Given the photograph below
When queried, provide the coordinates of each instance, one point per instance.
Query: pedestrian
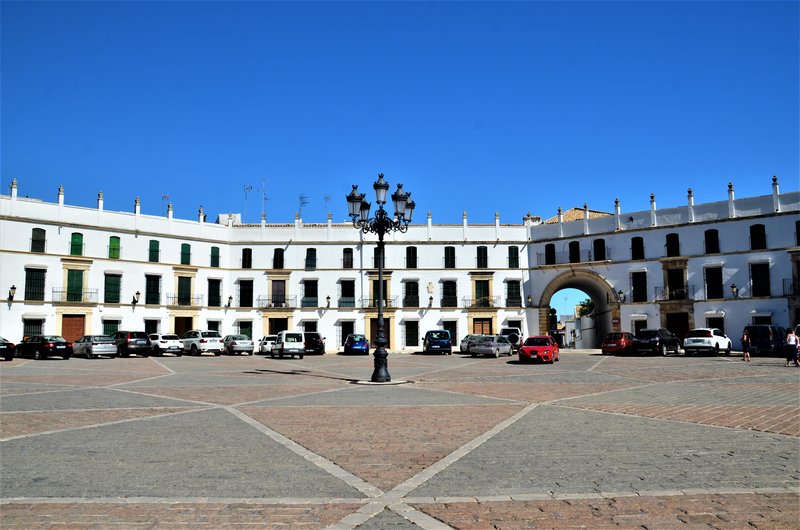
(746, 345)
(790, 346)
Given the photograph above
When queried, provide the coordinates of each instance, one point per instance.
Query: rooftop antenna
(164, 197)
(303, 202)
(247, 187)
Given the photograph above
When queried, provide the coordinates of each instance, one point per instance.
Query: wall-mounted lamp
(328, 301)
(230, 301)
(622, 296)
(734, 290)
(12, 292)
(430, 301)
(529, 300)
(135, 299)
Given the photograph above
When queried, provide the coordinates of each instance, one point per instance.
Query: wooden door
(73, 327)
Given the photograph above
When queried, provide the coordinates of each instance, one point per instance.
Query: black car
(766, 339)
(44, 346)
(128, 342)
(659, 340)
(314, 343)
(6, 349)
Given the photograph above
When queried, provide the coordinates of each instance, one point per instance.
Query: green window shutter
(153, 252)
(184, 290)
(215, 256)
(113, 247)
(186, 254)
(74, 286)
(37, 240)
(111, 292)
(34, 284)
(76, 244)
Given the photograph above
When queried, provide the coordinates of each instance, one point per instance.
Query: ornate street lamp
(380, 224)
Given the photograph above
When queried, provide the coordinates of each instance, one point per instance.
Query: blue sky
(476, 106)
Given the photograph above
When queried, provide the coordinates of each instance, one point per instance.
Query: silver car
(93, 346)
(234, 344)
(468, 341)
(492, 345)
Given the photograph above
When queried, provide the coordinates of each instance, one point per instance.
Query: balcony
(373, 302)
(309, 301)
(264, 302)
(449, 301)
(684, 293)
(184, 300)
(84, 296)
(513, 301)
(347, 301)
(485, 301)
(791, 287)
(411, 301)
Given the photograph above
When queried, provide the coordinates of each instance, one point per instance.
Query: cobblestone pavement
(235, 442)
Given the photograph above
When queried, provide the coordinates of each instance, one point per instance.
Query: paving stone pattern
(470, 443)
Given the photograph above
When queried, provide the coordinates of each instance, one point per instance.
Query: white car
(492, 345)
(166, 343)
(711, 340)
(266, 342)
(289, 343)
(196, 341)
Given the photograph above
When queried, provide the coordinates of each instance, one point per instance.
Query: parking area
(248, 441)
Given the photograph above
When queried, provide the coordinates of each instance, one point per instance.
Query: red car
(542, 348)
(618, 343)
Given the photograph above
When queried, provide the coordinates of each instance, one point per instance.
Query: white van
(288, 343)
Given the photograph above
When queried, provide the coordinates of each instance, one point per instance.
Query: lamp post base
(381, 372)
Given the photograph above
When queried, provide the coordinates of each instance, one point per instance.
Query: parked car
(514, 336)
(766, 339)
(128, 342)
(356, 343)
(493, 345)
(539, 348)
(618, 342)
(289, 343)
(234, 344)
(657, 341)
(166, 343)
(711, 340)
(196, 342)
(437, 340)
(93, 346)
(43, 346)
(6, 349)
(314, 343)
(266, 342)
(466, 342)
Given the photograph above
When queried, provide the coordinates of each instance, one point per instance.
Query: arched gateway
(605, 298)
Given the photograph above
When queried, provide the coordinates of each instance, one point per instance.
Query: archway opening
(574, 311)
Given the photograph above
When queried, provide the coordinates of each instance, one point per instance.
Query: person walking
(746, 346)
(790, 346)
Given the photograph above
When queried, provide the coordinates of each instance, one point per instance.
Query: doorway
(348, 327)
(72, 326)
(276, 325)
(482, 326)
(387, 330)
(678, 323)
(452, 327)
(182, 325)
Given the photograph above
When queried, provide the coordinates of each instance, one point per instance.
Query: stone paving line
(506, 511)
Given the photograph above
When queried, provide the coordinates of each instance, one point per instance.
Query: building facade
(73, 270)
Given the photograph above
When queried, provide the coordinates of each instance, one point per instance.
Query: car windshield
(647, 334)
(699, 333)
(537, 341)
(139, 335)
(240, 337)
(169, 337)
(440, 335)
(484, 339)
(615, 336)
(210, 334)
(54, 338)
(293, 338)
(357, 338)
(102, 338)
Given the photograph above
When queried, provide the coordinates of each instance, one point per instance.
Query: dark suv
(766, 339)
(656, 341)
(314, 343)
(438, 341)
(128, 342)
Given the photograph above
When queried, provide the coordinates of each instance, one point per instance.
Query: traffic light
(553, 319)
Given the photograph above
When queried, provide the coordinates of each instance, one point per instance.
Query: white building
(76, 270)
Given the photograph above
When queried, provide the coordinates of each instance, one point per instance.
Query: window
(713, 283)
(676, 285)
(152, 289)
(449, 294)
(111, 290)
(214, 293)
(247, 258)
(186, 254)
(34, 284)
(513, 294)
(712, 241)
(411, 257)
(411, 294)
(412, 333)
(637, 248)
(277, 258)
(673, 245)
(758, 237)
(213, 325)
(311, 259)
(796, 234)
(348, 293)
(184, 290)
(482, 259)
(110, 327)
(384, 294)
(599, 249)
(482, 294)
(513, 257)
(376, 252)
(32, 327)
(639, 286)
(215, 256)
(245, 293)
(310, 294)
(37, 240)
(74, 286)
(574, 252)
(716, 322)
(153, 253)
(278, 293)
(246, 328)
(550, 254)
(113, 247)
(151, 325)
(76, 244)
(347, 258)
(759, 279)
(449, 257)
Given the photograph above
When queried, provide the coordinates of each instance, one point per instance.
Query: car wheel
(271, 355)
(249, 353)
(157, 352)
(663, 349)
(217, 353)
(473, 354)
(37, 355)
(496, 354)
(178, 353)
(9, 356)
(89, 355)
(300, 356)
(66, 357)
(716, 350)
(728, 349)
(556, 359)
(195, 353)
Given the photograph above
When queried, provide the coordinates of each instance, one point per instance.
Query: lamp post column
(381, 372)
